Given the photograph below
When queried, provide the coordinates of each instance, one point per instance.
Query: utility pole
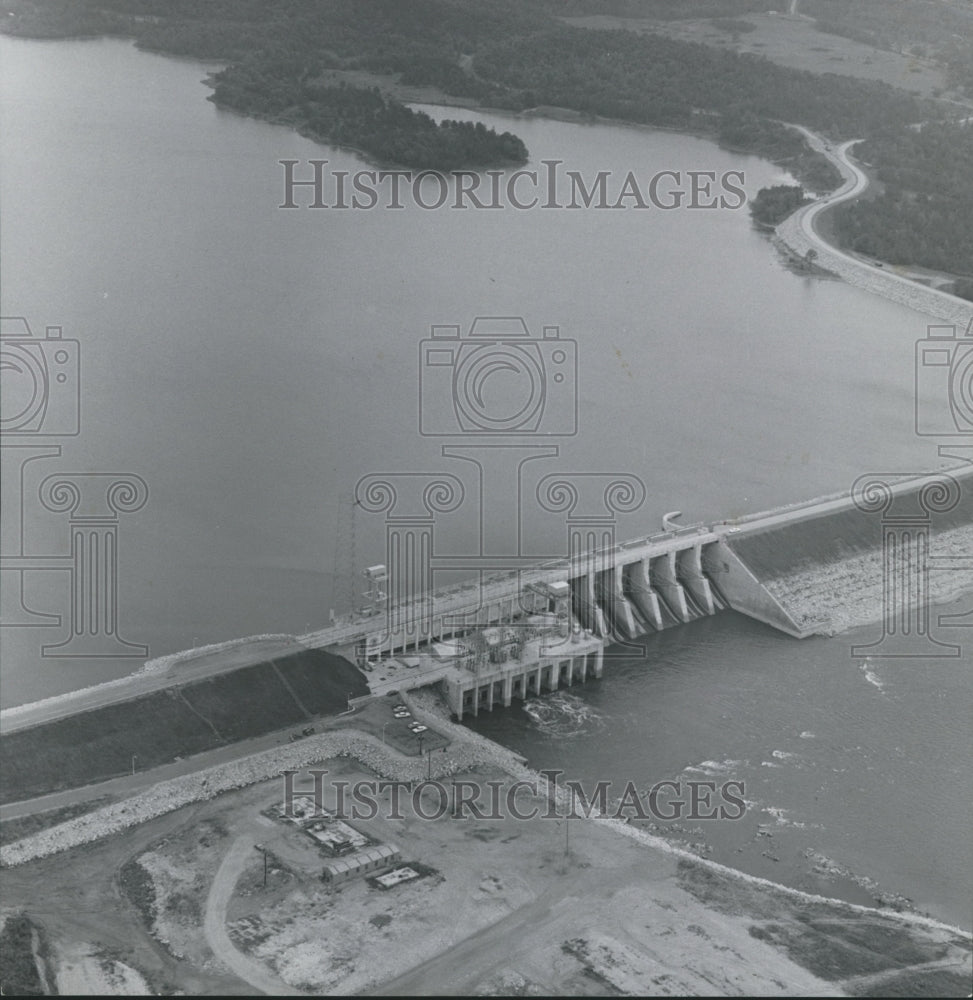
(134, 759)
(263, 851)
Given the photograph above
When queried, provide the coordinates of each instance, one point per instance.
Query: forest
(773, 204)
(366, 120)
(925, 213)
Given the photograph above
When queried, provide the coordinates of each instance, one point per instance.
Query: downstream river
(252, 363)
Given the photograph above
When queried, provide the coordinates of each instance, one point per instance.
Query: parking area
(378, 718)
(406, 734)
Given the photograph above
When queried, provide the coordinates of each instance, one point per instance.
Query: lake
(252, 363)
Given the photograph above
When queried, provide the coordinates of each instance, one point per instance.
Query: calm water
(251, 364)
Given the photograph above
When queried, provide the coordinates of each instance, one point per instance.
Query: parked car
(418, 727)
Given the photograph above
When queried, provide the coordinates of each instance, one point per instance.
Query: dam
(523, 633)
(532, 630)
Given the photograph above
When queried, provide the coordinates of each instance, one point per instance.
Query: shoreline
(474, 750)
(179, 660)
(851, 269)
(693, 911)
(523, 771)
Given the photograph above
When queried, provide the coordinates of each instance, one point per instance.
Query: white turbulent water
(564, 716)
(252, 364)
(850, 592)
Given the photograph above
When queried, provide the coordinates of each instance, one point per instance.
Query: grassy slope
(97, 745)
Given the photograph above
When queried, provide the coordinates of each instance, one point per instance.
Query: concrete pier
(689, 569)
(664, 579)
(643, 595)
(471, 688)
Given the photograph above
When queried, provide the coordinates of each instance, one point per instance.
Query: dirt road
(214, 924)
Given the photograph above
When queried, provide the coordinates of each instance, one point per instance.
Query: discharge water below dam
(856, 771)
(251, 364)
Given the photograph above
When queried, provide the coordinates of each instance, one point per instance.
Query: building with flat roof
(396, 877)
(362, 862)
(335, 836)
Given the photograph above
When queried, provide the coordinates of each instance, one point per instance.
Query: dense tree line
(773, 204)
(520, 53)
(783, 145)
(367, 120)
(925, 215)
(20, 975)
(658, 80)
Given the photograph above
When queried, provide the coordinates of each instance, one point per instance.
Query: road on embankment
(855, 181)
(186, 668)
(799, 233)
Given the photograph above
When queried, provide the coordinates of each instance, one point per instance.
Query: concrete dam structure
(893, 547)
(532, 630)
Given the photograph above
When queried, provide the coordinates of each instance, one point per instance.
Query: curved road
(214, 925)
(855, 183)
